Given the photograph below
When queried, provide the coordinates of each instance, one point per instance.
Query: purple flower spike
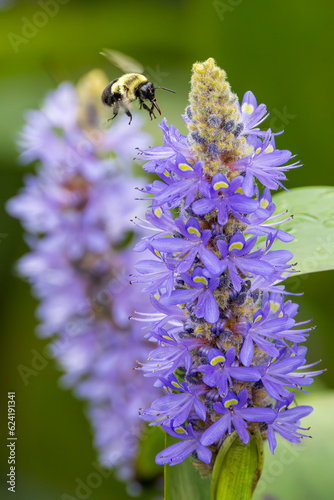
(77, 209)
(230, 338)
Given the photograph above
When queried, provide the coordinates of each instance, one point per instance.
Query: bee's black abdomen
(107, 97)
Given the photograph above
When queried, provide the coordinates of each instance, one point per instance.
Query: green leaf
(312, 226)
(302, 471)
(151, 442)
(237, 468)
(183, 481)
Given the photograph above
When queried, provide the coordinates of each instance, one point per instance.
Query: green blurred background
(282, 51)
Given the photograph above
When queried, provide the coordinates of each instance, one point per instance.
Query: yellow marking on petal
(280, 315)
(180, 430)
(201, 279)
(148, 359)
(166, 173)
(157, 295)
(239, 190)
(274, 306)
(184, 167)
(238, 245)
(217, 359)
(258, 318)
(273, 360)
(175, 384)
(176, 254)
(219, 185)
(258, 151)
(230, 402)
(158, 254)
(193, 230)
(264, 203)
(153, 371)
(247, 108)
(158, 212)
(156, 420)
(167, 337)
(269, 149)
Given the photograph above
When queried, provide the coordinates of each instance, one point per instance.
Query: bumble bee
(121, 92)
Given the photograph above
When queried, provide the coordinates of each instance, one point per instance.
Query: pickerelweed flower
(228, 352)
(77, 212)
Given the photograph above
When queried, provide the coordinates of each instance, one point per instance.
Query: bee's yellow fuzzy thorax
(127, 84)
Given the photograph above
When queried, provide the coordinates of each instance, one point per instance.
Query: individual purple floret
(235, 412)
(287, 422)
(234, 347)
(190, 443)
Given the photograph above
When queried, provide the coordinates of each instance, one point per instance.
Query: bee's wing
(123, 61)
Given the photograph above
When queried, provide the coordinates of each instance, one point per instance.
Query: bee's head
(148, 92)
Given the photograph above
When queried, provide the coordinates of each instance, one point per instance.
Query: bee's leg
(150, 110)
(115, 110)
(127, 112)
(141, 102)
(114, 116)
